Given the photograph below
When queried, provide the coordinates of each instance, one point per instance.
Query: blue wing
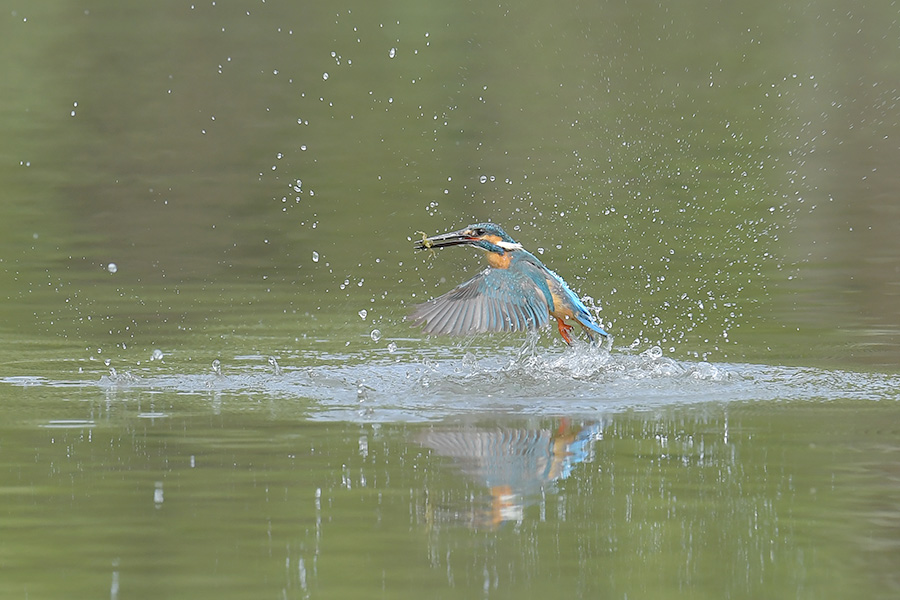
(493, 300)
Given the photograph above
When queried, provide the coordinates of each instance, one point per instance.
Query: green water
(242, 182)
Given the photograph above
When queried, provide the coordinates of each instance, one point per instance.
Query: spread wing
(493, 300)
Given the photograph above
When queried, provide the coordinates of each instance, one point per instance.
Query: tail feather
(588, 324)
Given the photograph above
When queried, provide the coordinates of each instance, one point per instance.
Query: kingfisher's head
(486, 236)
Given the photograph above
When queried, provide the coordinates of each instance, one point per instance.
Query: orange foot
(564, 330)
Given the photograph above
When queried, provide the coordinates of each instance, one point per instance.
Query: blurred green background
(719, 179)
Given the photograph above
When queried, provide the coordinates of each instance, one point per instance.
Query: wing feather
(512, 312)
(492, 301)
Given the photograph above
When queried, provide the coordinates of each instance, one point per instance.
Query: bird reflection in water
(514, 464)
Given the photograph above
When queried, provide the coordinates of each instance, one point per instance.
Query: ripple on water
(582, 379)
(68, 424)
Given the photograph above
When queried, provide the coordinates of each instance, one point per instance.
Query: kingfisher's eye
(478, 232)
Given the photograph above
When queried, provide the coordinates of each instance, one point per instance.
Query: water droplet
(274, 363)
(653, 353)
(156, 354)
(392, 347)
(315, 256)
(375, 335)
(325, 76)
(217, 367)
(363, 314)
(392, 53)
(483, 179)
(158, 497)
(112, 268)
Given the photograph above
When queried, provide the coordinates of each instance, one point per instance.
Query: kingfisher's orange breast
(499, 261)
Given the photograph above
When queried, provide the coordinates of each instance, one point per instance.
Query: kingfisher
(515, 292)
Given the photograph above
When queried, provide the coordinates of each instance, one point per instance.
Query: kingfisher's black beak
(445, 240)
